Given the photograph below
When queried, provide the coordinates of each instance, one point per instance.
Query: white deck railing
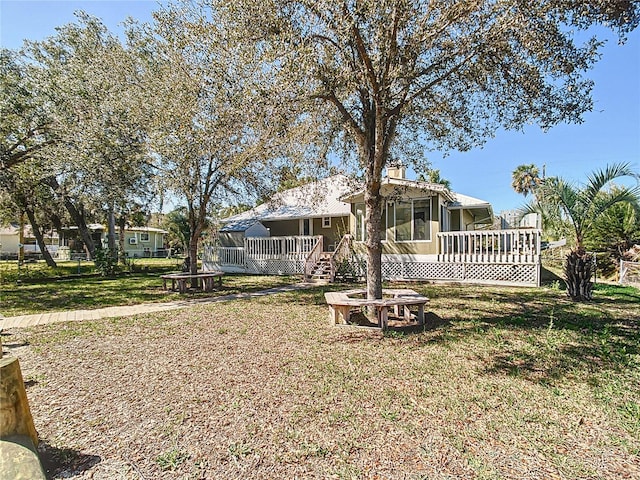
(490, 246)
(280, 248)
(230, 255)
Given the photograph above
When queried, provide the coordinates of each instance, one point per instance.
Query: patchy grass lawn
(11, 272)
(501, 384)
(97, 292)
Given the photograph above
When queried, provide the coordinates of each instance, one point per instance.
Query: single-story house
(10, 241)
(139, 242)
(429, 233)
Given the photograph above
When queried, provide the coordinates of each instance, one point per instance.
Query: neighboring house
(138, 241)
(10, 242)
(429, 233)
(515, 219)
(142, 242)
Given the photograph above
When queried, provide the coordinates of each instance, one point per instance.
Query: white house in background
(429, 233)
(139, 242)
(515, 219)
(10, 241)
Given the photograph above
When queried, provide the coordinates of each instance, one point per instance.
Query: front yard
(37, 295)
(503, 383)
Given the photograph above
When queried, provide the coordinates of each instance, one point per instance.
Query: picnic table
(341, 303)
(205, 279)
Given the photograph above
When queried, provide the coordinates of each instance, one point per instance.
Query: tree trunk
(76, 216)
(121, 252)
(21, 239)
(193, 258)
(578, 270)
(39, 238)
(111, 238)
(16, 416)
(373, 219)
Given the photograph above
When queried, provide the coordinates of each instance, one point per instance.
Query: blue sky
(611, 133)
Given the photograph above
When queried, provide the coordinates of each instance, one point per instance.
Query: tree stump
(578, 271)
(15, 416)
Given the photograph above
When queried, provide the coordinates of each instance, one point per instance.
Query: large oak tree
(385, 75)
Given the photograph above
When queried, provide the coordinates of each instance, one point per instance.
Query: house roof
(145, 229)
(400, 187)
(96, 227)
(239, 225)
(14, 229)
(465, 201)
(481, 209)
(9, 230)
(332, 196)
(314, 200)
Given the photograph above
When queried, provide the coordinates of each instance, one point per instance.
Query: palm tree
(581, 207)
(525, 179)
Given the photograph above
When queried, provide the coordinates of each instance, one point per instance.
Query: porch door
(445, 219)
(306, 226)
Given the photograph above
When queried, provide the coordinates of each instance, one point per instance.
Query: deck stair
(321, 271)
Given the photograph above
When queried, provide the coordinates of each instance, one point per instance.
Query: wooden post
(15, 416)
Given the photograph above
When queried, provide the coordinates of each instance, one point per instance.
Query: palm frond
(603, 202)
(598, 179)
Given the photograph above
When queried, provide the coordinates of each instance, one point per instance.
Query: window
(306, 226)
(445, 219)
(403, 221)
(144, 237)
(412, 220)
(422, 220)
(360, 229)
(326, 222)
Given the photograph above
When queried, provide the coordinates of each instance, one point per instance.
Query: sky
(610, 133)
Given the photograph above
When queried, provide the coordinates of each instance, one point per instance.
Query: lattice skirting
(275, 267)
(489, 273)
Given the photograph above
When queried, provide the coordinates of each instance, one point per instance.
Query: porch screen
(413, 220)
(422, 220)
(361, 230)
(403, 221)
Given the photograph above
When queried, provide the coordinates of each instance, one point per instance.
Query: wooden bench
(207, 280)
(341, 303)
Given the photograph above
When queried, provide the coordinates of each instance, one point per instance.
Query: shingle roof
(238, 226)
(314, 200)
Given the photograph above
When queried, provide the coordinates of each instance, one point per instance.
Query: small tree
(204, 123)
(582, 207)
(616, 231)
